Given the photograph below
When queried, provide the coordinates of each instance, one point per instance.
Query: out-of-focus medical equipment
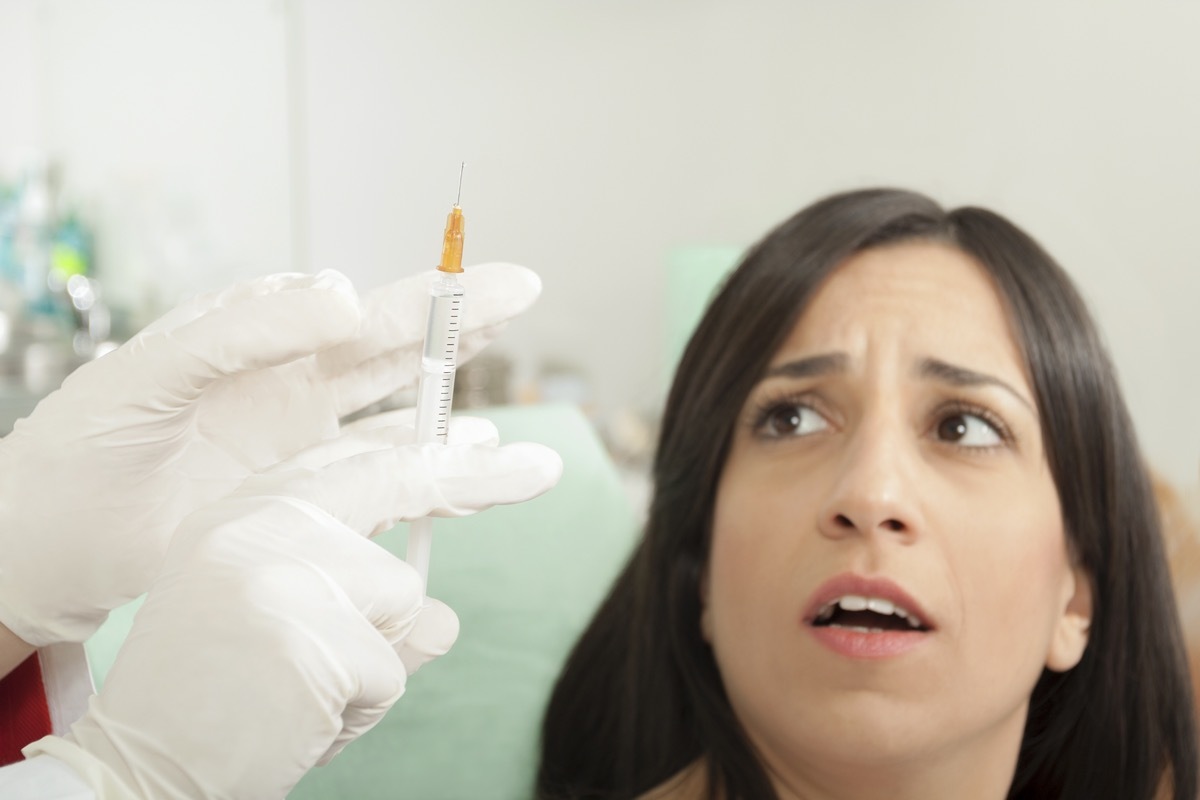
(439, 360)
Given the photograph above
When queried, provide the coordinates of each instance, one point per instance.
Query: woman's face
(889, 572)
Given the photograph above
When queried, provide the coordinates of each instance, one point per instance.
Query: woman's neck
(978, 764)
(981, 770)
(984, 781)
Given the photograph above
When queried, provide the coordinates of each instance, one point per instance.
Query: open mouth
(867, 615)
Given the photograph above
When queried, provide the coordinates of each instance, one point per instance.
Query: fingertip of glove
(543, 465)
(513, 274)
(434, 633)
(501, 279)
(439, 626)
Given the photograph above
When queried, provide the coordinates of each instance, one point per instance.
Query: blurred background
(627, 151)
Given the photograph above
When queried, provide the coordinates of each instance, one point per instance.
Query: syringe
(438, 363)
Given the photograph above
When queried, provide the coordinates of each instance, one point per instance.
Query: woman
(901, 544)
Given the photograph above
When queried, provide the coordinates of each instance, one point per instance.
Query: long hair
(640, 696)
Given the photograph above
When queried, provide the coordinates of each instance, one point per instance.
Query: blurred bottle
(75, 289)
(52, 316)
(11, 277)
(483, 381)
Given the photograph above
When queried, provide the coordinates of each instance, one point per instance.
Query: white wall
(169, 122)
(19, 111)
(600, 135)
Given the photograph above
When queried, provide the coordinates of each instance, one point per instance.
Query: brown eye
(952, 428)
(967, 430)
(791, 419)
(783, 421)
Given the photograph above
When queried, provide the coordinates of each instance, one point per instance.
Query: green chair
(524, 581)
(694, 274)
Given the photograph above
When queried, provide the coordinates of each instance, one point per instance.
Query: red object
(24, 714)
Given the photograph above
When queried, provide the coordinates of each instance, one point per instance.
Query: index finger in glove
(454, 480)
(372, 490)
(385, 357)
(197, 306)
(382, 432)
(463, 428)
(255, 332)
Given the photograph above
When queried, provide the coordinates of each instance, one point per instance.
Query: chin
(867, 729)
(880, 732)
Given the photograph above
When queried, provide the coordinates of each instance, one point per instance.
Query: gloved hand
(276, 633)
(95, 480)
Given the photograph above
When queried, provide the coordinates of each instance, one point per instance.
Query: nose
(876, 486)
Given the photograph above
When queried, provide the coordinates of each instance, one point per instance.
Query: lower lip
(855, 644)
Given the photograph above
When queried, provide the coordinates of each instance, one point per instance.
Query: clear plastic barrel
(435, 394)
(439, 360)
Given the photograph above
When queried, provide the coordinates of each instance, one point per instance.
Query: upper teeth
(854, 602)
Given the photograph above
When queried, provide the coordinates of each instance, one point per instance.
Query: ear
(705, 614)
(1074, 625)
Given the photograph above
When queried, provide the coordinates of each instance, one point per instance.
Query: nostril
(840, 524)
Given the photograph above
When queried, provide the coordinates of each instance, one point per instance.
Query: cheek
(734, 582)
(742, 520)
(1012, 584)
(731, 558)
(757, 539)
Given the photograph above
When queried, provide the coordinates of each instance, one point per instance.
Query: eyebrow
(961, 376)
(928, 368)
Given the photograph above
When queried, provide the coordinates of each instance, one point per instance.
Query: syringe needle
(452, 238)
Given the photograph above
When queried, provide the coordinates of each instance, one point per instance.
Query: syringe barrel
(439, 360)
(435, 393)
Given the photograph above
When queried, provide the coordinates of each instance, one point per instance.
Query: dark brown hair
(640, 696)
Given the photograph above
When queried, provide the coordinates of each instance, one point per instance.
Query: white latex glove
(276, 632)
(95, 480)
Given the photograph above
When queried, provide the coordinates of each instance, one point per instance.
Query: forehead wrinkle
(821, 364)
(869, 300)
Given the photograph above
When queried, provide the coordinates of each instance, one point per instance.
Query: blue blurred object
(10, 270)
